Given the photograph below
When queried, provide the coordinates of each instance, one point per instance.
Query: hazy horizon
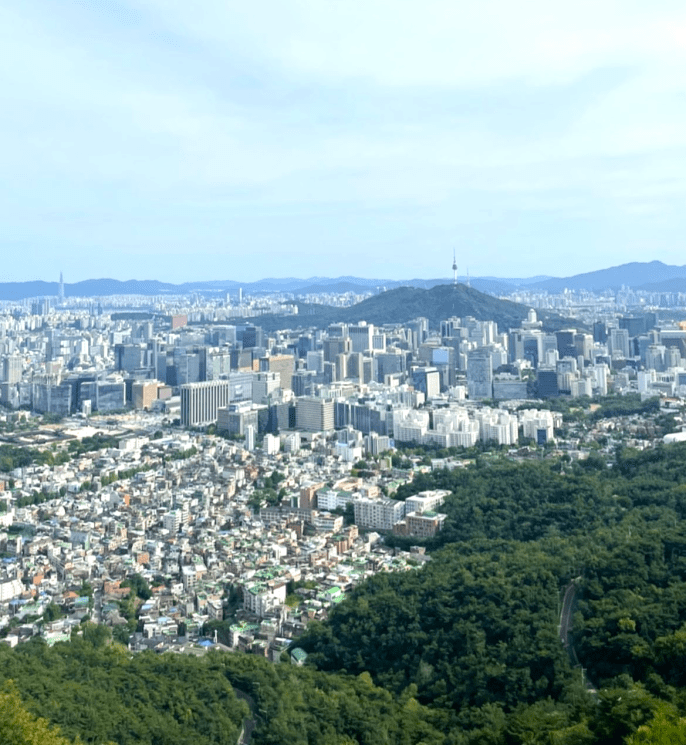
(314, 279)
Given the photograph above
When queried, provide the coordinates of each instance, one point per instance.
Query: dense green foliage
(301, 706)
(103, 693)
(139, 586)
(13, 456)
(469, 629)
(613, 405)
(476, 628)
(92, 443)
(627, 405)
(537, 499)
(19, 727)
(183, 454)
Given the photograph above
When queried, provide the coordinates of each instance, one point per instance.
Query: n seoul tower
(454, 270)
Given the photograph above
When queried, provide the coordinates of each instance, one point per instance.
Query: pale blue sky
(223, 139)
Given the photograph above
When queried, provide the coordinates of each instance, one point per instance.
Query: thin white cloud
(154, 124)
(437, 42)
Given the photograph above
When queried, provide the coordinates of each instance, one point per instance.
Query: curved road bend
(248, 724)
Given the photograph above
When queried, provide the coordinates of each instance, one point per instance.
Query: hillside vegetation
(406, 303)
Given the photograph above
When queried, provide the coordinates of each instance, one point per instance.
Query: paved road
(248, 724)
(565, 627)
(565, 631)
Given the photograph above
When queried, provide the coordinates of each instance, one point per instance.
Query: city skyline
(149, 139)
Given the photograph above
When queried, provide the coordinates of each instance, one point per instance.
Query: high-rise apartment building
(234, 419)
(565, 343)
(378, 514)
(619, 343)
(427, 380)
(264, 386)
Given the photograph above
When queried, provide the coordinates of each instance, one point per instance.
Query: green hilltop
(405, 303)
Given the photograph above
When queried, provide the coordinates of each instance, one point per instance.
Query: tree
(139, 586)
(86, 589)
(96, 634)
(121, 633)
(19, 727)
(664, 729)
(52, 613)
(621, 711)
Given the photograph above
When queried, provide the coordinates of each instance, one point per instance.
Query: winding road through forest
(565, 632)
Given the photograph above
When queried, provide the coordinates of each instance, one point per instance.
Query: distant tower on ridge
(454, 270)
(61, 288)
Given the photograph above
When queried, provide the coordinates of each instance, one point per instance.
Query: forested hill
(467, 650)
(406, 303)
(97, 692)
(476, 631)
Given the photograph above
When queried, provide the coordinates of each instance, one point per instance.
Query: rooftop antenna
(454, 270)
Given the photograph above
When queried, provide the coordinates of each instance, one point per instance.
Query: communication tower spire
(454, 270)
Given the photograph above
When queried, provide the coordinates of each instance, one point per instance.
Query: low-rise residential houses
(176, 511)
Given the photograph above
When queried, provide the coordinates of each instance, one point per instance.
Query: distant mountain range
(653, 276)
(309, 286)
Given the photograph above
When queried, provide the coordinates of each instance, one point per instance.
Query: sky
(164, 139)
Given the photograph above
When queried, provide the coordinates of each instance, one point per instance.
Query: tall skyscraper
(314, 414)
(479, 374)
(284, 364)
(427, 380)
(12, 368)
(200, 402)
(61, 289)
(361, 336)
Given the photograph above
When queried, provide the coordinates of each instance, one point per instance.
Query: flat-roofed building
(378, 514)
(200, 402)
(314, 414)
